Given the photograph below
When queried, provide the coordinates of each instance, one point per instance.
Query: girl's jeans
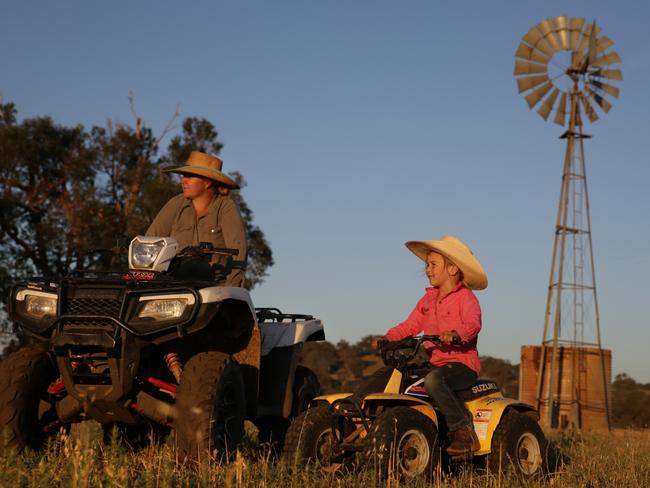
(441, 384)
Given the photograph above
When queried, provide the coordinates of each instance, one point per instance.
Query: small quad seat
(477, 390)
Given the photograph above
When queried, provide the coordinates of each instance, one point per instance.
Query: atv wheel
(519, 442)
(210, 406)
(273, 430)
(405, 442)
(26, 409)
(311, 439)
(306, 387)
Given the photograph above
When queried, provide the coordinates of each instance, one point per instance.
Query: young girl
(449, 309)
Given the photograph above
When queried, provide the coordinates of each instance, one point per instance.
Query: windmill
(563, 68)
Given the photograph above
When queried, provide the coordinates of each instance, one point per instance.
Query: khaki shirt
(222, 226)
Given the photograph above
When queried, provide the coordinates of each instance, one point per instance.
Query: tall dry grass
(619, 459)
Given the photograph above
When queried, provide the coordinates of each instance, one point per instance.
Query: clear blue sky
(360, 125)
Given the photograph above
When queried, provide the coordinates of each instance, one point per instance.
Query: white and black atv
(156, 345)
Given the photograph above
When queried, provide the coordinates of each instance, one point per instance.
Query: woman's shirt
(459, 310)
(222, 226)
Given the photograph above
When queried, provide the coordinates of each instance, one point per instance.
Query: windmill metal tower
(563, 64)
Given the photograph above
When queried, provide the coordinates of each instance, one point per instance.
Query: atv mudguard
(386, 400)
(487, 412)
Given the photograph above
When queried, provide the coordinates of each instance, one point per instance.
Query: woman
(204, 212)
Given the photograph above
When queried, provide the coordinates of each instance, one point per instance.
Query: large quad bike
(392, 425)
(158, 344)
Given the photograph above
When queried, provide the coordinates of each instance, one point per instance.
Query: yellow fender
(487, 412)
(388, 400)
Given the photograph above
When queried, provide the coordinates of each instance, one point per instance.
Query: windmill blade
(589, 110)
(547, 106)
(610, 58)
(583, 45)
(603, 43)
(527, 82)
(524, 51)
(561, 25)
(535, 39)
(591, 50)
(602, 103)
(536, 95)
(575, 29)
(560, 116)
(610, 74)
(547, 28)
(609, 89)
(526, 68)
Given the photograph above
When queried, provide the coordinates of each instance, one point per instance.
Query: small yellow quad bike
(391, 424)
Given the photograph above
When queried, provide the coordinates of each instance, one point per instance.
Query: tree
(66, 190)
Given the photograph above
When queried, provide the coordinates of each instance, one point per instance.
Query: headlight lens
(40, 305)
(144, 254)
(163, 309)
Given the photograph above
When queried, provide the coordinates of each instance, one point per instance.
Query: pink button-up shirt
(459, 310)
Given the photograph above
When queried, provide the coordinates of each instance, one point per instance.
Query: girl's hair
(449, 262)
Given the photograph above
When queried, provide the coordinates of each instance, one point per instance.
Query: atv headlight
(152, 253)
(38, 304)
(164, 308)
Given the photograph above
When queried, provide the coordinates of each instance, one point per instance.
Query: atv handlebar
(399, 353)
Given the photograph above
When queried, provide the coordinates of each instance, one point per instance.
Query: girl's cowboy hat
(205, 165)
(457, 252)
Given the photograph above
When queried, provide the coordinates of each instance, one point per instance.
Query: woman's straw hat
(205, 165)
(457, 252)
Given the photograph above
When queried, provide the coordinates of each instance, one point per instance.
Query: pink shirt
(459, 310)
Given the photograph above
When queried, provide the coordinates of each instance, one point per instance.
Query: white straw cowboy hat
(457, 252)
(205, 165)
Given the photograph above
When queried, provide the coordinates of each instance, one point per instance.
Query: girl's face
(194, 186)
(438, 273)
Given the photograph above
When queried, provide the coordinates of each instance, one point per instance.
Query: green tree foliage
(630, 402)
(68, 190)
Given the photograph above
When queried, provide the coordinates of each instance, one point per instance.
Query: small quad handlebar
(399, 353)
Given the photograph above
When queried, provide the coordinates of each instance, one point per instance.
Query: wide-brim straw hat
(205, 165)
(459, 253)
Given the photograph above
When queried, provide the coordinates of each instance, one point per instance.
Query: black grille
(93, 306)
(71, 325)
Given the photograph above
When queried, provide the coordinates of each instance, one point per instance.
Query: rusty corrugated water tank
(579, 366)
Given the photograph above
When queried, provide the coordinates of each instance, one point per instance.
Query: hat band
(200, 166)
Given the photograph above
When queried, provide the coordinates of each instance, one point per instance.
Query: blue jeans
(441, 384)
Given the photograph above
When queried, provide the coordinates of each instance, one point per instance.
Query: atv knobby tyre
(306, 387)
(210, 407)
(403, 442)
(25, 375)
(311, 439)
(519, 443)
(273, 430)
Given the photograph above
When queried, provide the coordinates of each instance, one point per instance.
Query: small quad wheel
(311, 438)
(403, 441)
(210, 407)
(519, 443)
(27, 410)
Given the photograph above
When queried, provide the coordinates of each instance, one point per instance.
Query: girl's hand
(374, 343)
(449, 336)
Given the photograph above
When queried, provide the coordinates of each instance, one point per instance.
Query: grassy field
(619, 459)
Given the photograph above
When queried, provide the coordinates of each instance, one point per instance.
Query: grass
(617, 459)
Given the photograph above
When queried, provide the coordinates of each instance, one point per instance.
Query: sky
(361, 125)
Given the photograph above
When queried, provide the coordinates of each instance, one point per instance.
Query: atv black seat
(477, 390)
